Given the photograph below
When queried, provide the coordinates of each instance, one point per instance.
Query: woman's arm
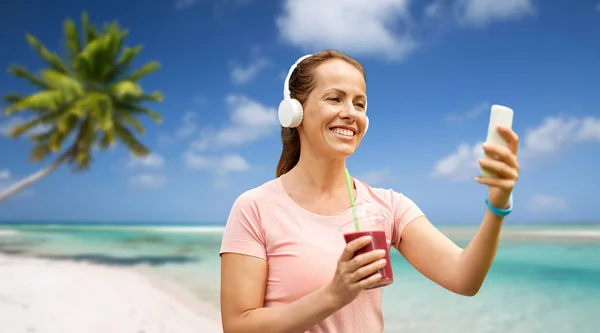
(243, 281)
(438, 258)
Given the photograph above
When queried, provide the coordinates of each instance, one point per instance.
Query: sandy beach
(49, 296)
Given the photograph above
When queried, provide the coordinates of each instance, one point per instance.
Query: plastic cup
(371, 222)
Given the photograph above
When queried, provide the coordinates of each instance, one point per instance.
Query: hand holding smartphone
(499, 115)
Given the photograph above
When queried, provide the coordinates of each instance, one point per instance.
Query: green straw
(350, 194)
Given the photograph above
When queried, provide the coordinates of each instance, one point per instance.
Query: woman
(285, 267)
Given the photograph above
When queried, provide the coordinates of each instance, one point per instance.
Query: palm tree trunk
(15, 188)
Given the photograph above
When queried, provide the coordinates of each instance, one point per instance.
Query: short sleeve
(243, 232)
(405, 211)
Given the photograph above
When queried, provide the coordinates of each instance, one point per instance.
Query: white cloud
(546, 203)
(152, 160)
(471, 114)
(360, 27)
(220, 165)
(433, 10)
(4, 174)
(377, 177)
(8, 125)
(148, 181)
(249, 121)
(482, 12)
(461, 165)
(551, 137)
(554, 134)
(589, 130)
(187, 128)
(241, 75)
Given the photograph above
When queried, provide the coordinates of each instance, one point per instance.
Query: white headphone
(290, 111)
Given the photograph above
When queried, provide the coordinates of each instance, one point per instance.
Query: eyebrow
(344, 93)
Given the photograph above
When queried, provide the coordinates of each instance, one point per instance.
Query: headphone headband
(286, 84)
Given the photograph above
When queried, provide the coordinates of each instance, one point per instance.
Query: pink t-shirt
(302, 248)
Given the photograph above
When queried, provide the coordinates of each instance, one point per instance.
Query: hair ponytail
(290, 154)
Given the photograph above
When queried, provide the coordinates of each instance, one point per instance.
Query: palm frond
(50, 100)
(137, 109)
(107, 140)
(90, 33)
(126, 90)
(43, 137)
(128, 118)
(126, 137)
(67, 123)
(84, 143)
(21, 72)
(145, 70)
(24, 127)
(57, 140)
(87, 61)
(40, 152)
(116, 42)
(73, 40)
(156, 96)
(63, 82)
(123, 64)
(104, 114)
(52, 59)
(12, 98)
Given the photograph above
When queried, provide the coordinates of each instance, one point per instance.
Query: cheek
(363, 121)
(318, 116)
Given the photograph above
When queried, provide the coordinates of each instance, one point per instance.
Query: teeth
(342, 131)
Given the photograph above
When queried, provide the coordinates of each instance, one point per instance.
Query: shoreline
(508, 231)
(529, 234)
(94, 298)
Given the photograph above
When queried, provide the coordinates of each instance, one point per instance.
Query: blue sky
(433, 70)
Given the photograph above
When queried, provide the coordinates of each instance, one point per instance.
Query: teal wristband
(498, 211)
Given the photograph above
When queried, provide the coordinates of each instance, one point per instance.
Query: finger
(505, 184)
(365, 259)
(354, 246)
(368, 270)
(511, 138)
(501, 153)
(370, 281)
(498, 167)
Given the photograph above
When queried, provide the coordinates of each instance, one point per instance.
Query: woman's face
(334, 113)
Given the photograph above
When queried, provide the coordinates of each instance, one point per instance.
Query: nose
(348, 111)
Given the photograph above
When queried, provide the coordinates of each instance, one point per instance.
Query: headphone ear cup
(290, 113)
(366, 126)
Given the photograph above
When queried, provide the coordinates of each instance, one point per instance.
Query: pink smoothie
(379, 242)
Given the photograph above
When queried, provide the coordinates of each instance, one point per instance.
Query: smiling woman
(285, 266)
(336, 74)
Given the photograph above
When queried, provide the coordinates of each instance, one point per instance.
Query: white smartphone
(499, 115)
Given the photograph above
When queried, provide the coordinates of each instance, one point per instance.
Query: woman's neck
(319, 175)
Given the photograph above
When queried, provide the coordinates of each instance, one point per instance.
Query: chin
(337, 148)
(340, 151)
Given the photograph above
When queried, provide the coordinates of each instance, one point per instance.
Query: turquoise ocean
(537, 284)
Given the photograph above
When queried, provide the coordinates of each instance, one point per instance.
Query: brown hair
(301, 84)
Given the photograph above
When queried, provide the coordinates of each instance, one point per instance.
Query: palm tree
(88, 100)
